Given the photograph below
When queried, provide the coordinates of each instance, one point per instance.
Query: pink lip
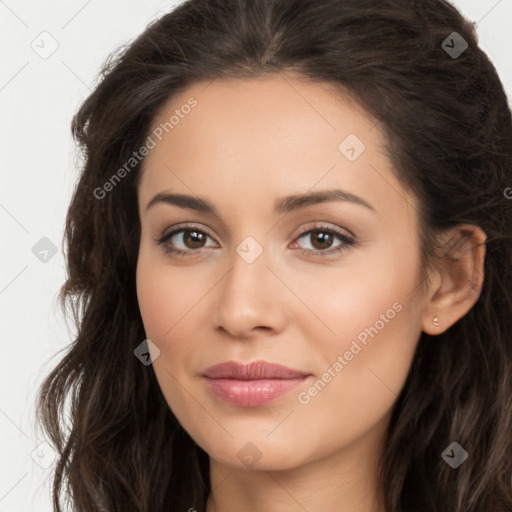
(253, 384)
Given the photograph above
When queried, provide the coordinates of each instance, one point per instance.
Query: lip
(253, 384)
(252, 371)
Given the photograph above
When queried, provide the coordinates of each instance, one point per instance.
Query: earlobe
(461, 277)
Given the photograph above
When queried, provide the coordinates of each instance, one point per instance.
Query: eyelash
(347, 240)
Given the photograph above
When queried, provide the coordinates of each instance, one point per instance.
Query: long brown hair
(449, 133)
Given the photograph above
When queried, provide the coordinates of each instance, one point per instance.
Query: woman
(289, 258)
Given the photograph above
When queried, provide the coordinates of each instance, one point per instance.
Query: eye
(322, 238)
(188, 240)
(184, 240)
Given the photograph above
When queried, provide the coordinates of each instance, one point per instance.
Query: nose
(251, 299)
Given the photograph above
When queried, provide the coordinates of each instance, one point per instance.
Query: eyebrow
(282, 206)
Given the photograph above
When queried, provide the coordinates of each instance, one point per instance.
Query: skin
(245, 145)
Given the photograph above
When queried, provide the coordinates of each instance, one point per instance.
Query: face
(325, 284)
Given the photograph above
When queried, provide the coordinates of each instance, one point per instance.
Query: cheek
(166, 295)
(154, 296)
(371, 317)
(361, 293)
(164, 302)
(360, 371)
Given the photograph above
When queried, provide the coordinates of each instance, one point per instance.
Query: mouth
(253, 384)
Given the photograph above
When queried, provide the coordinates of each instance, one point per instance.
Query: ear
(457, 280)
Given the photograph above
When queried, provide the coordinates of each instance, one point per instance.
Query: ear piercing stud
(436, 322)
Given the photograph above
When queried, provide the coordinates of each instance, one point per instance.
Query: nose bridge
(249, 272)
(247, 296)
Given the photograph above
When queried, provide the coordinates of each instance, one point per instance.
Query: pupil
(194, 238)
(323, 237)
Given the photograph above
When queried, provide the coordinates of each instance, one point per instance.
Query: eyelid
(183, 227)
(188, 225)
(319, 225)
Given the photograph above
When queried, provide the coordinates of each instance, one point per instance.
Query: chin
(255, 453)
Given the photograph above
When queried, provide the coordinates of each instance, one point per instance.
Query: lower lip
(251, 393)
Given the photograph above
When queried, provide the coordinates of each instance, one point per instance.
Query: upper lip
(252, 371)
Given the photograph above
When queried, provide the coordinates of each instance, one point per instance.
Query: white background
(37, 99)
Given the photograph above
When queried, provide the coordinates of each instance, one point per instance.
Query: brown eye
(322, 239)
(194, 239)
(185, 240)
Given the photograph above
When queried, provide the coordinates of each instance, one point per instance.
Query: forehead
(277, 132)
(260, 109)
